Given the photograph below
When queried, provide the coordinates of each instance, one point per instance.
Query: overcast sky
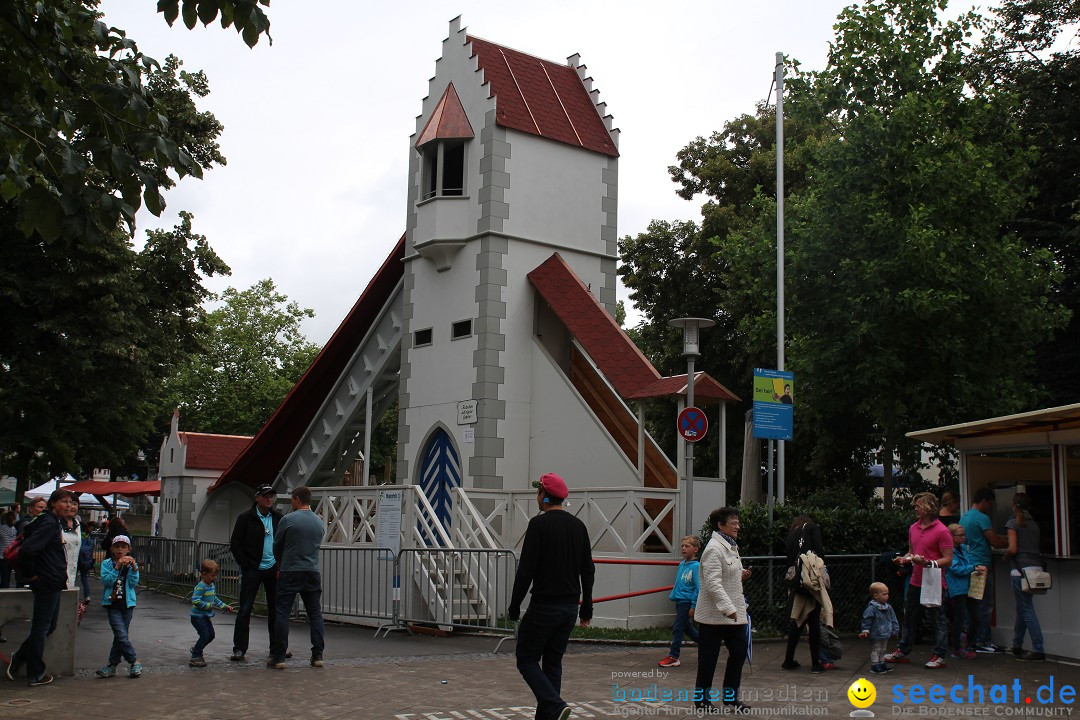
(317, 125)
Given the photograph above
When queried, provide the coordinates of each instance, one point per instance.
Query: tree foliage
(913, 298)
(245, 15)
(252, 354)
(90, 131)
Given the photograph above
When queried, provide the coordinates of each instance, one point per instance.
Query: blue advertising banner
(774, 404)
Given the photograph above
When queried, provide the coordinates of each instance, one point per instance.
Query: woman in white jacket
(721, 612)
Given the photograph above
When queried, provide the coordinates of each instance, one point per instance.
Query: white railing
(469, 527)
(623, 521)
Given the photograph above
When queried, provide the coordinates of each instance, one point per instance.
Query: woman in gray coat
(721, 613)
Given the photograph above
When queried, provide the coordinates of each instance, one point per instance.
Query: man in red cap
(556, 560)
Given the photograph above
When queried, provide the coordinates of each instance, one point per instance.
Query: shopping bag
(977, 586)
(930, 595)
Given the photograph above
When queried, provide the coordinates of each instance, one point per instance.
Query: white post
(367, 441)
(690, 529)
(779, 251)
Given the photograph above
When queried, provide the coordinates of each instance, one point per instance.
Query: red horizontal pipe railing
(632, 594)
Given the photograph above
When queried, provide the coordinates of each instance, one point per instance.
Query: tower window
(422, 337)
(461, 329)
(444, 169)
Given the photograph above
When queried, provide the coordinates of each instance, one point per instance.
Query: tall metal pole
(690, 529)
(780, 250)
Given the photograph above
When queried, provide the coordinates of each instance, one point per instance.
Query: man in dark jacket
(253, 547)
(556, 560)
(35, 507)
(44, 564)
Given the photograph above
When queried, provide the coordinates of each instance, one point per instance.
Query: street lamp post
(691, 349)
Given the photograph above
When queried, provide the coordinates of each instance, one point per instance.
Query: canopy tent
(130, 489)
(86, 500)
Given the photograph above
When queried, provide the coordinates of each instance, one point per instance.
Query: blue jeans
(985, 609)
(913, 611)
(1026, 620)
(42, 624)
(205, 627)
(250, 581)
(119, 621)
(542, 637)
(308, 586)
(683, 624)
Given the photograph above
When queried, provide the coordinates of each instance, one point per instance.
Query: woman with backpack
(804, 535)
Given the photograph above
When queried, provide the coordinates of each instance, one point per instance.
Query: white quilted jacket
(720, 575)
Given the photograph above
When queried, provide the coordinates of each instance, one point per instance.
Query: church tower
(513, 159)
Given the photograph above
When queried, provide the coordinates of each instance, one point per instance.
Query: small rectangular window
(422, 337)
(461, 329)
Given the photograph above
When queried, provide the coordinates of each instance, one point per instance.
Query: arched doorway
(440, 471)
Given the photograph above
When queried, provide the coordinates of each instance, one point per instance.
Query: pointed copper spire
(447, 121)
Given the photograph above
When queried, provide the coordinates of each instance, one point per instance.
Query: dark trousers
(120, 621)
(542, 637)
(5, 573)
(42, 624)
(964, 610)
(250, 581)
(913, 613)
(84, 580)
(710, 637)
(205, 627)
(683, 624)
(795, 632)
(308, 585)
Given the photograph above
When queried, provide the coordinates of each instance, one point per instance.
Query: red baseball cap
(552, 485)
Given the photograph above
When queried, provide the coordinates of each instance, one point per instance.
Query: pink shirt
(930, 542)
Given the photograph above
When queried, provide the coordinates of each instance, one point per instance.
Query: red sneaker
(670, 662)
(897, 656)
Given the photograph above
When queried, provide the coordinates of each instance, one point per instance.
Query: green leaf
(191, 14)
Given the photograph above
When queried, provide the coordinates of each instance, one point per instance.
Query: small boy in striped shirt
(204, 601)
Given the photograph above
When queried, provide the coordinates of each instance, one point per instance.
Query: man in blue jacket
(252, 545)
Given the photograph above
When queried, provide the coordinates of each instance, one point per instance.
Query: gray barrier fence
(460, 588)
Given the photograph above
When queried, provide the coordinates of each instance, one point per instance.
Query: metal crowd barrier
(460, 588)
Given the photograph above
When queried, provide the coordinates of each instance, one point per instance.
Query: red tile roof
(607, 344)
(618, 358)
(268, 452)
(448, 119)
(212, 452)
(541, 97)
(706, 389)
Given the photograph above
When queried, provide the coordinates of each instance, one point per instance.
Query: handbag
(830, 643)
(1035, 582)
(930, 594)
(793, 576)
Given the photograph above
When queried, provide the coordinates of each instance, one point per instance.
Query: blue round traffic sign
(692, 424)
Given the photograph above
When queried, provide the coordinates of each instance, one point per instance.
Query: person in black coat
(252, 545)
(803, 535)
(44, 564)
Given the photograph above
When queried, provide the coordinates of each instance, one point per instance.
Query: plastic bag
(930, 595)
(978, 586)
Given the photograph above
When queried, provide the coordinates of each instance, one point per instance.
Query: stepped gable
(267, 453)
(607, 344)
(212, 452)
(542, 97)
(448, 120)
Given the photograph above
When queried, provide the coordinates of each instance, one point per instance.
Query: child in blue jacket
(879, 623)
(120, 575)
(958, 579)
(204, 601)
(684, 595)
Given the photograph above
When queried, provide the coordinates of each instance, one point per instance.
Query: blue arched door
(440, 472)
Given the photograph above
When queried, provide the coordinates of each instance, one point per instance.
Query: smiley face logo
(862, 693)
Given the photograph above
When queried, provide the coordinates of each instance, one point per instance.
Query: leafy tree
(245, 15)
(253, 353)
(89, 332)
(90, 130)
(1031, 53)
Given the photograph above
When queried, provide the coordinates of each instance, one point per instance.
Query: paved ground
(459, 678)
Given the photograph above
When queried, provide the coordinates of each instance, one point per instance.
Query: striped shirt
(204, 600)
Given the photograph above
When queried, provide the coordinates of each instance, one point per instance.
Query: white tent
(85, 500)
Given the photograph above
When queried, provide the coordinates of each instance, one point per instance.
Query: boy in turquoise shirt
(684, 595)
(204, 601)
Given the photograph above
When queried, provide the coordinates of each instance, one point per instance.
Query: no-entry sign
(692, 424)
